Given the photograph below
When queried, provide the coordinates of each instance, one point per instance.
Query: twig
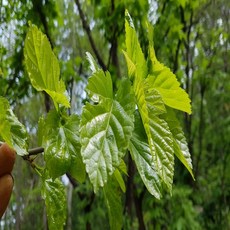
(33, 151)
(88, 31)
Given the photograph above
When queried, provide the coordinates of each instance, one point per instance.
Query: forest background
(192, 37)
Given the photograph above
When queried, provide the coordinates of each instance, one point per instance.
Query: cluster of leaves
(138, 118)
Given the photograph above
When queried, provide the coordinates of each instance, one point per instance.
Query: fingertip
(6, 187)
(10, 152)
(7, 159)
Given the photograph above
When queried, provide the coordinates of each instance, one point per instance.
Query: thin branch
(175, 65)
(35, 151)
(31, 152)
(162, 12)
(38, 8)
(88, 31)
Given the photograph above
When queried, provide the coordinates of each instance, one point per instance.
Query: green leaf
(105, 132)
(150, 105)
(100, 86)
(53, 192)
(141, 154)
(112, 195)
(123, 168)
(120, 180)
(163, 154)
(42, 66)
(180, 144)
(4, 123)
(62, 146)
(134, 55)
(11, 130)
(153, 91)
(105, 127)
(160, 140)
(125, 96)
(164, 81)
(130, 66)
(77, 167)
(19, 134)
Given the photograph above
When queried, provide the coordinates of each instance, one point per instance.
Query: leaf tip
(129, 19)
(92, 63)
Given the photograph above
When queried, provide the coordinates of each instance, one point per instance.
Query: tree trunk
(129, 186)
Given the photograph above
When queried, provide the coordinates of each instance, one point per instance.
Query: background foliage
(192, 38)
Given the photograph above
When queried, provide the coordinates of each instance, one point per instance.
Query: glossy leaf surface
(143, 158)
(151, 106)
(105, 130)
(164, 81)
(43, 67)
(180, 144)
(53, 192)
(11, 130)
(62, 146)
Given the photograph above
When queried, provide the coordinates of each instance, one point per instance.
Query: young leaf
(180, 145)
(160, 140)
(163, 154)
(112, 195)
(131, 67)
(42, 66)
(150, 105)
(134, 55)
(105, 128)
(123, 168)
(11, 130)
(62, 145)
(77, 167)
(143, 158)
(4, 123)
(19, 134)
(105, 132)
(53, 192)
(164, 81)
(125, 96)
(120, 180)
(100, 86)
